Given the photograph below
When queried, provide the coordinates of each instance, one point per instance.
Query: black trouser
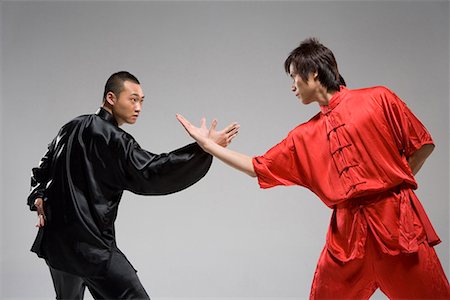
(120, 282)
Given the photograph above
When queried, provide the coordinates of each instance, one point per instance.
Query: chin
(305, 102)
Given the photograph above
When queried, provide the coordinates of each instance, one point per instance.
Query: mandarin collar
(334, 101)
(106, 115)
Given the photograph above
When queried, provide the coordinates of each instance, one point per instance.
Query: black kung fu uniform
(82, 177)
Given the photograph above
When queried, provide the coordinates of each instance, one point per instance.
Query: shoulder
(371, 92)
(376, 96)
(70, 125)
(77, 120)
(305, 127)
(95, 127)
(110, 130)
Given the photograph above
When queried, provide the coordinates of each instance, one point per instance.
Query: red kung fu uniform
(354, 156)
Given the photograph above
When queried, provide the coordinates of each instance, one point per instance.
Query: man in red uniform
(359, 155)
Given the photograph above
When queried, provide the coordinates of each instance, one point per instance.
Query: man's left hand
(224, 136)
(39, 204)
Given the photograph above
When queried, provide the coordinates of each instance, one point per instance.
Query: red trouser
(405, 276)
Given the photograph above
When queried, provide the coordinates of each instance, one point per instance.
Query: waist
(371, 198)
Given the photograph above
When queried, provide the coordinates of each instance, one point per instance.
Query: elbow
(427, 149)
(251, 174)
(251, 170)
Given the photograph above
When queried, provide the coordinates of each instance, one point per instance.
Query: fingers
(213, 125)
(180, 118)
(186, 124)
(41, 221)
(232, 127)
(183, 121)
(203, 122)
(39, 204)
(231, 136)
(232, 131)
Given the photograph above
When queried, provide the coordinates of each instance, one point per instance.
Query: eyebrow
(134, 94)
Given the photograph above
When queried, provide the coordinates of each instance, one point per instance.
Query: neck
(106, 106)
(324, 96)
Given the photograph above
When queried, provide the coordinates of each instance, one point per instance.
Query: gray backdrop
(224, 237)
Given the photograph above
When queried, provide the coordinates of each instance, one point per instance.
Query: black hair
(311, 56)
(115, 82)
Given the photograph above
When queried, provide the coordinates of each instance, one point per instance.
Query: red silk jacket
(354, 156)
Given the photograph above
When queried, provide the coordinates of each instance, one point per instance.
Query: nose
(138, 107)
(293, 87)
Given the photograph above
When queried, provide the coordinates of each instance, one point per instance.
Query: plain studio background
(224, 237)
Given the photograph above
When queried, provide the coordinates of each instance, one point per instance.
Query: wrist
(207, 145)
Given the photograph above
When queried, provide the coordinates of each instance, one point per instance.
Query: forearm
(417, 159)
(40, 176)
(161, 174)
(232, 158)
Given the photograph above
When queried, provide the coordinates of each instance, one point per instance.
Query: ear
(111, 98)
(316, 75)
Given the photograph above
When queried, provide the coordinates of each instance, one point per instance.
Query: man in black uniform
(78, 185)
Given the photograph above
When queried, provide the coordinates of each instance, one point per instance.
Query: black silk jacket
(82, 177)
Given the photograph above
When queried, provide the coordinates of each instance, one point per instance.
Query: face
(128, 104)
(306, 91)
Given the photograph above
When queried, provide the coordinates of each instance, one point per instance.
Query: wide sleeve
(40, 177)
(279, 166)
(408, 132)
(160, 174)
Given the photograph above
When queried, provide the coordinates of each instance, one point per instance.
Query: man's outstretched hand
(210, 141)
(202, 134)
(224, 136)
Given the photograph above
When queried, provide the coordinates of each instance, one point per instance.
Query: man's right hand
(204, 137)
(199, 134)
(39, 204)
